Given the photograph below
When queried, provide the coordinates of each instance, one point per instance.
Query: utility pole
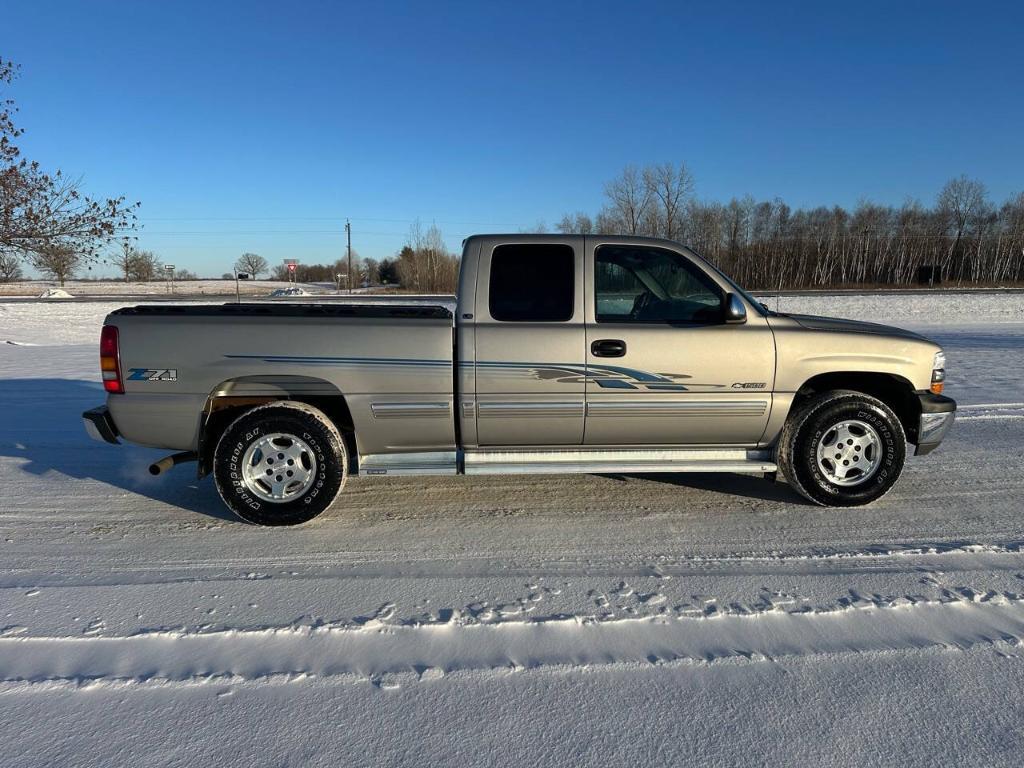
(348, 236)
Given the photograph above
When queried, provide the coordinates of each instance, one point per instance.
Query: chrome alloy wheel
(278, 468)
(849, 453)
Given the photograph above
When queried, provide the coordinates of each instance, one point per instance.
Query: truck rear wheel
(842, 449)
(280, 464)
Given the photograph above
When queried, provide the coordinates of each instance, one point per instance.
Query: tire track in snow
(378, 651)
(888, 558)
(990, 411)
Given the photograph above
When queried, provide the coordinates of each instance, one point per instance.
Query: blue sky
(262, 126)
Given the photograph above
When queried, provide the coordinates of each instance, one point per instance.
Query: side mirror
(735, 310)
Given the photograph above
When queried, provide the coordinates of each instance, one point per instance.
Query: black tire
(796, 451)
(307, 424)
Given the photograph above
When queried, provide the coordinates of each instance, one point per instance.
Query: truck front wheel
(280, 464)
(842, 449)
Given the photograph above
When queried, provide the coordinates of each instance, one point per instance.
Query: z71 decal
(152, 374)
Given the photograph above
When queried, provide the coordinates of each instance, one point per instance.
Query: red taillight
(110, 360)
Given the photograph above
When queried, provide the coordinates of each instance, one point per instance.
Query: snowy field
(597, 620)
(158, 289)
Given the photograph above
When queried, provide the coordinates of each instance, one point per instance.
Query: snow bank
(939, 308)
(55, 293)
(294, 291)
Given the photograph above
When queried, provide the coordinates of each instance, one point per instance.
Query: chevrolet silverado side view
(564, 354)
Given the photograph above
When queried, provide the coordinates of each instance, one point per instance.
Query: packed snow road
(612, 620)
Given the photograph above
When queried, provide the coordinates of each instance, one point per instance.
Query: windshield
(760, 308)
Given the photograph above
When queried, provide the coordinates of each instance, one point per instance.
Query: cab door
(663, 368)
(529, 342)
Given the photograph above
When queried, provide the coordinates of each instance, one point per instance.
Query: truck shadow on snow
(42, 426)
(747, 486)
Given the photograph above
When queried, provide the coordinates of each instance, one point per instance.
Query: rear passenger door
(529, 361)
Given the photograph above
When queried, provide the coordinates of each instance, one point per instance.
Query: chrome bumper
(937, 415)
(99, 426)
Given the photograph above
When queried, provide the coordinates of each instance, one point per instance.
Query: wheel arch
(233, 397)
(892, 389)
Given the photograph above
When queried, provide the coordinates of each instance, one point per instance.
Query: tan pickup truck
(563, 354)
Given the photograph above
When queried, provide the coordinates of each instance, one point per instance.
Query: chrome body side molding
(525, 410)
(620, 408)
(410, 410)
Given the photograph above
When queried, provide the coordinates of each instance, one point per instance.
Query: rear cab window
(532, 283)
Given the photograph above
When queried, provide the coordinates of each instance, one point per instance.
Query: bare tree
(628, 200)
(10, 268)
(40, 211)
(577, 223)
(670, 186)
(369, 269)
(122, 258)
(540, 227)
(57, 261)
(252, 263)
(960, 203)
(143, 266)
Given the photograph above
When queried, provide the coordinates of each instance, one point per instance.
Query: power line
(324, 218)
(226, 232)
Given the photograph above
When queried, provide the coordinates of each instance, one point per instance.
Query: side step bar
(569, 461)
(620, 460)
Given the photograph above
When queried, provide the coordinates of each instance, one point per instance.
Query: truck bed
(392, 362)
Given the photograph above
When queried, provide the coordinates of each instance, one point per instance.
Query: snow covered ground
(594, 620)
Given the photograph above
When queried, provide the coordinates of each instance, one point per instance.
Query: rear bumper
(937, 414)
(99, 425)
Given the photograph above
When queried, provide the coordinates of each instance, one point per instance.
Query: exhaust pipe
(159, 467)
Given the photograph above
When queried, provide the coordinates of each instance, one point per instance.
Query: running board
(617, 461)
(569, 461)
(432, 463)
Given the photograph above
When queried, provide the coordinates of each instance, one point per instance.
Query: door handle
(608, 348)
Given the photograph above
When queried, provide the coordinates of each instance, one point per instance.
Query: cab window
(532, 283)
(651, 285)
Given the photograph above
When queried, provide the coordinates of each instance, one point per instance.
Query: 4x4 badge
(152, 374)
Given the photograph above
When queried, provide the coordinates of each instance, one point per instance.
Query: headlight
(938, 372)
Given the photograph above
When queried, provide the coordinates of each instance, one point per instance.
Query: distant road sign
(169, 267)
(291, 267)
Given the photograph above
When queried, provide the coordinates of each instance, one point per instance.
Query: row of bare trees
(365, 272)
(136, 265)
(963, 238)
